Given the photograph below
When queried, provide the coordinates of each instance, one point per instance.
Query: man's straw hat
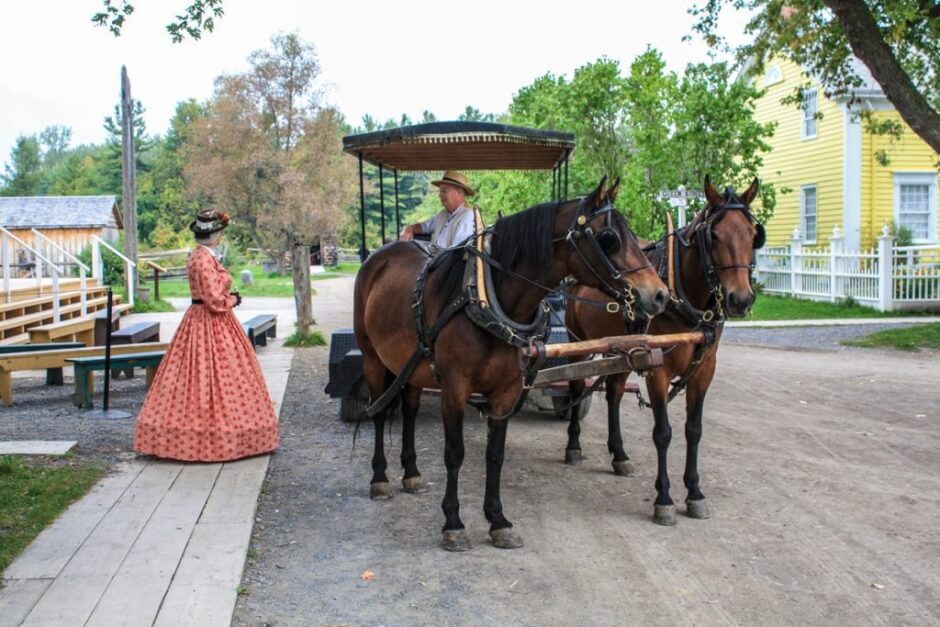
(456, 179)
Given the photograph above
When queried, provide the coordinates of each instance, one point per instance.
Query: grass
(909, 338)
(33, 492)
(264, 283)
(152, 306)
(770, 307)
(314, 338)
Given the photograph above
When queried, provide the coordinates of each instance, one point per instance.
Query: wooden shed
(69, 221)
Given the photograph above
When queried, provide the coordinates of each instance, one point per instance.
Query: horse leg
(696, 506)
(410, 402)
(376, 376)
(573, 449)
(664, 511)
(621, 463)
(501, 531)
(452, 408)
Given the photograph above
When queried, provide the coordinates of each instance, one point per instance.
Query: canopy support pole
(362, 215)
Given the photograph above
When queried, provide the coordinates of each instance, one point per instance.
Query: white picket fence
(888, 277)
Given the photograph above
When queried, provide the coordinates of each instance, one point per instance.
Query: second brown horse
(713, 263)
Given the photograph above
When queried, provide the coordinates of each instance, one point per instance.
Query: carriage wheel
(353, 404)
(561, 406)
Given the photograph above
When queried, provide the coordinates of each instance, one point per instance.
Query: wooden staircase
(17, 318)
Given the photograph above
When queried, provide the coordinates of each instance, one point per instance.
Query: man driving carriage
(455, 222)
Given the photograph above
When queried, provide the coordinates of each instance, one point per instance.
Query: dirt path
(821, 469)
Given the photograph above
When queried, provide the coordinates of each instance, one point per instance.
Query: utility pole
(129, 179)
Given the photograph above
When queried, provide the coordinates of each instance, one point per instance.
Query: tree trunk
(129, 175)
(303, 301)
(868, 45)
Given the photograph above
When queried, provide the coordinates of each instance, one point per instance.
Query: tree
(269, 153)
(199, 16)
(23, 174)
(898, 41)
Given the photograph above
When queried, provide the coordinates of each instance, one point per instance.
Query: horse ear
(612, 192)
(751, 192)
(599, 194)
(713, 196)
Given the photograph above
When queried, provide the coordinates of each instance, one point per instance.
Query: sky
(377, 57)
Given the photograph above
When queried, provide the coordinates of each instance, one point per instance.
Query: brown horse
(713, 258)
(531, 252)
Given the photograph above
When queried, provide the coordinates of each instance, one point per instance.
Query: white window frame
(806, 236)
(773, 76)
(918, 178)
(809, 116)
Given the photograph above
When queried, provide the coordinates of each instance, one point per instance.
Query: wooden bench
(137, 333)
(45, 359)
(260, 328)
(101, 321)
(85, 368)
(53, 375)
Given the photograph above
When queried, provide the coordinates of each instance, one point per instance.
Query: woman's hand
(238, 298)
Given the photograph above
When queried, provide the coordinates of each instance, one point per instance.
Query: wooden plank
(235, 497)
(136, 591)
(73, 595)
(36, 447)
(18, 597)
(205, 588)
(54, 547)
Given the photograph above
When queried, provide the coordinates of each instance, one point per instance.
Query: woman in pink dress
(208, 401)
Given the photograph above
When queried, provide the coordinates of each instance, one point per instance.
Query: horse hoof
(506, 538)
(697, 509)
(573, 456)
(456, 540)
(380, 491)
(623, 469)
(414, 485)
(664, 515)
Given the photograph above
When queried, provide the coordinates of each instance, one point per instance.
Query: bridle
(702, 233)
(604, 243)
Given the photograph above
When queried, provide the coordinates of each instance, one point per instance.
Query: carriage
(412, 340)
(438, 146)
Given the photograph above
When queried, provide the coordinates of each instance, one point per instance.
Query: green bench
(53, 375)
(86, 366)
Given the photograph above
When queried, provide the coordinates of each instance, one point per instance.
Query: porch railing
(97, 264)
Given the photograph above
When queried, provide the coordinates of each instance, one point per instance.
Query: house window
(773, 76)
(808, 212)
(915, 204)
(809, 114)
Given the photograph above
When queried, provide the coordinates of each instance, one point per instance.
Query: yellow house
(831, 170)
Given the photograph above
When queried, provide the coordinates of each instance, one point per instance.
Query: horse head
(606, 254)
(728, 234)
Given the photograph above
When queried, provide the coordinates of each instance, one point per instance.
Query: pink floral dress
(208, 401)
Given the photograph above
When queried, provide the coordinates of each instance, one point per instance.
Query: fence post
(885, 270)
(7, 251)
(836, 248)
(796, 262)
(97, 269)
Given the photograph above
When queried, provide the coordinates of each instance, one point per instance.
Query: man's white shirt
(450, 228)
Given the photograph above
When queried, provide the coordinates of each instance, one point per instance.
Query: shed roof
(462, 146)
(64, 212)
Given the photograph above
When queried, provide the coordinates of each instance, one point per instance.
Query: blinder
(760, 238)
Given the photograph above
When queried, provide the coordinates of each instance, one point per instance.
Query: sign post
(679, 198)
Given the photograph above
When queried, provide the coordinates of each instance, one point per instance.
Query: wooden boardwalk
(154, 543)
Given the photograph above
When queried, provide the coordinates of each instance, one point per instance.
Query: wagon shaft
(619, 343)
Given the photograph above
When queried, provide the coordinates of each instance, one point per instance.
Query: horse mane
(521, 240)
